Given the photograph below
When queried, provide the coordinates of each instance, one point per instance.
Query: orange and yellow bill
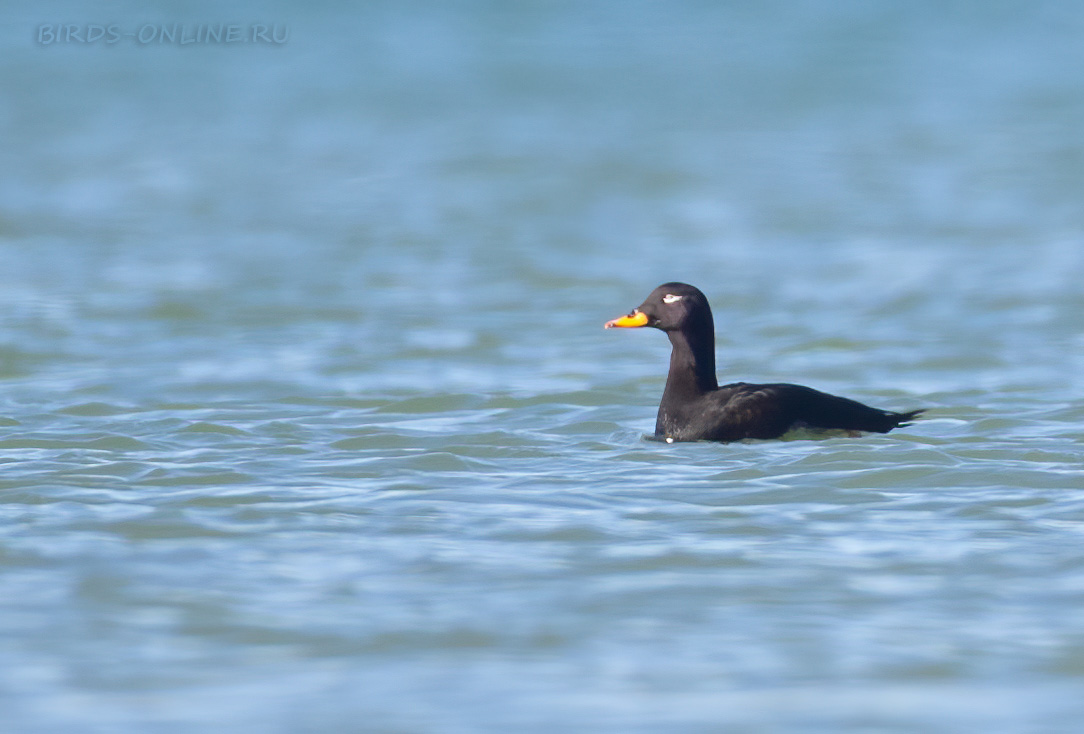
(632, 321)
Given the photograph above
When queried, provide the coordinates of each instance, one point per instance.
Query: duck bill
(634, 320)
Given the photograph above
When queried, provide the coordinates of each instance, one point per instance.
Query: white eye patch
(671, 298)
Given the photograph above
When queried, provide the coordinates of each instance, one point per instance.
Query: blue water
(308, 421)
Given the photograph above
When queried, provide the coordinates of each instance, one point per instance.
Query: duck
(695, 407)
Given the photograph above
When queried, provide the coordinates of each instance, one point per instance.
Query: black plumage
(694, 407)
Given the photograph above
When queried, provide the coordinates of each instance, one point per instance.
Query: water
(309, 422)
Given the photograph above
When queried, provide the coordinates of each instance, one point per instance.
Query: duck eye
(671, 298)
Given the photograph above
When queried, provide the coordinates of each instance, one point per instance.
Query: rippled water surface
(308, 421)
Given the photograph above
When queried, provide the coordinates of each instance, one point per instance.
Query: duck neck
(692, 363)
